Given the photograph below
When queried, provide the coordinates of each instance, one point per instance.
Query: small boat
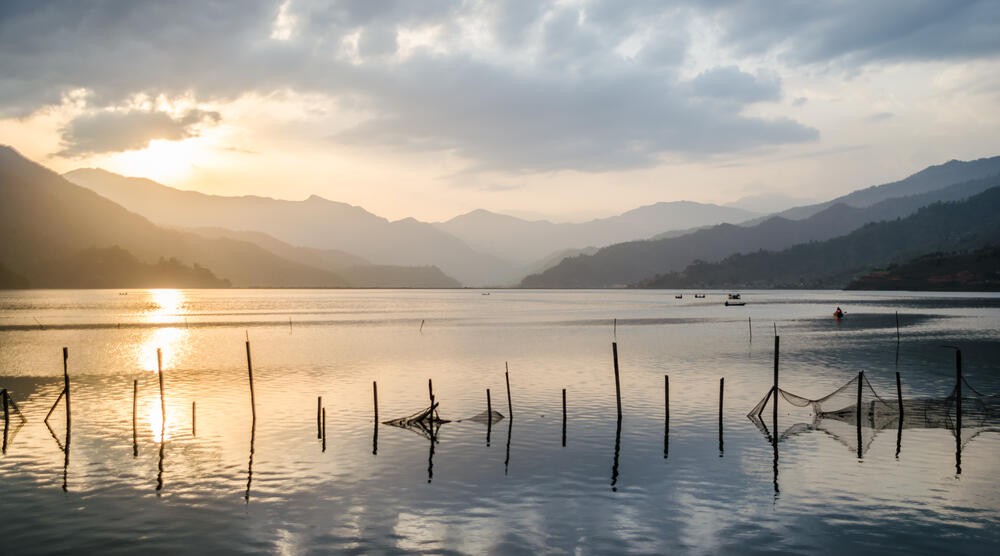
(734, 300)
(486, 293)
(838, 314)
(679, 296)
(699, 296)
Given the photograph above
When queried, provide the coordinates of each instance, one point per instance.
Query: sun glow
(171, 341)
(163, 161)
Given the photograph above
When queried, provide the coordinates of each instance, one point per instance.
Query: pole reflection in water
(666, 416)
(618, 448)
(430, 456)
(253, 435)
(159, 474)
(375, 440)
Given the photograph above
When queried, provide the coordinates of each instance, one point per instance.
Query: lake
(211, 478)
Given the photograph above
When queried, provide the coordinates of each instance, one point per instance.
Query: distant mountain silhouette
(968, 224)
(46, 221)
(977, 270)
(11, 280)
(314, 222)
(358, 272)
(114, 267)
(926, 180)
(627, 263)
(527, 241)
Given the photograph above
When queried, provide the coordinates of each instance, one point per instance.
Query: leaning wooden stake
(253, 404)
(618, 389)
(323, 430)
(375, 402)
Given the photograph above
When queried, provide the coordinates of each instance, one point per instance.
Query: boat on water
(734, 300)
(679, 296)
(699, 296)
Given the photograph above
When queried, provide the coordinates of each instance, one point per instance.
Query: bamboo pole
(899, 396)
(66, 388)
(323, 429)
(194, 427)
(135, 404)
(774, 400)
(666, 415)
(253, 404)
(319, 411)
(722, 387)
(489, 417)
(375, 399)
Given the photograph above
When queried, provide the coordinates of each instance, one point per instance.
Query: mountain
(114, 267)
(926, 180)
(46, 221)
(977, 270)
(627, 263)
(357, 271)
(769, 203)
(968, 224)
(315, 222)
(526, 241)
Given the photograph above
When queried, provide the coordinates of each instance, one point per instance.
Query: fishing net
(855, 425)
(425, 422)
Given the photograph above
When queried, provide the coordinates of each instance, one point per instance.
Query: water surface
(229, 483)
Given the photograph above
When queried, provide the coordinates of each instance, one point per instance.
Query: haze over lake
(520, 490)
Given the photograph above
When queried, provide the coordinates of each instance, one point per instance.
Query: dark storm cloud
(556, 96)
(124, 131)
(858, 32)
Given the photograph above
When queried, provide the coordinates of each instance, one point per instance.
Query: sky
(563, 109)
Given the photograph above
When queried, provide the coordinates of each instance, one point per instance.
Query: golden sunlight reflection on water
(169, 307)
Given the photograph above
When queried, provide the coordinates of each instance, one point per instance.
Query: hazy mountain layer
(627, 263)
(315, 222)
(968, 224)
(525, 241)
(356, 271)
(46, 220)
(928, 179)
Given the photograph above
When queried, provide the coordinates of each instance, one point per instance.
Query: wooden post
(774, 400)
(430, 390)
(564, 418)
(135, 404)
(666, 415)
(319, 411)
(375, 399)
(323, 430)
(897, 327)
(899, 396)
(750, 329)
(722, 387)
(489, 417)
(163, 400)
(194, 427)
(253, 405)
(618, 391)
(66, 387)
(958, 390)
(510, 406)
(861, 379)
(6, 410)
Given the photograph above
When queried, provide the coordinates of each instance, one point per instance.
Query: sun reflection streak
(169, 307)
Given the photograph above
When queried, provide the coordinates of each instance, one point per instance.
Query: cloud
(111, 131)
(513, 86)
(879, 117)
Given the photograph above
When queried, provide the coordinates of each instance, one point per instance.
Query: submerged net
(425, 422)
(837, 414)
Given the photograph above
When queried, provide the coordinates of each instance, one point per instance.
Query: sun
(164, 161)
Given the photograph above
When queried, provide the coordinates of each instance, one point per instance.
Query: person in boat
(838, 313)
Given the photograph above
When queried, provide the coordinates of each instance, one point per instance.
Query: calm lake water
(225, 484)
